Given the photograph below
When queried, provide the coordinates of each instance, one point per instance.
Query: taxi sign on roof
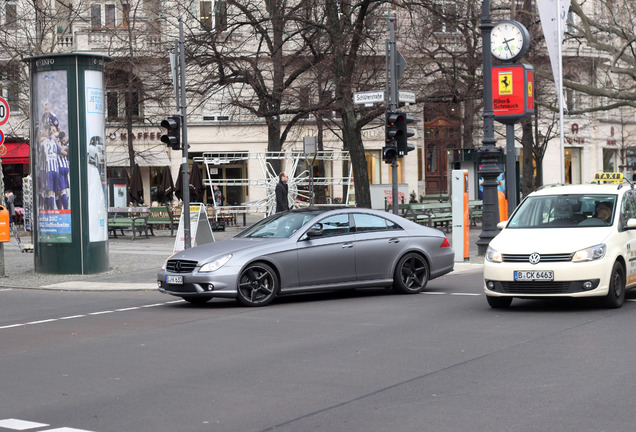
(608, 176)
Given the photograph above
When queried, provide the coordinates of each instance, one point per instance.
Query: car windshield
(280, 225)
(565, 211)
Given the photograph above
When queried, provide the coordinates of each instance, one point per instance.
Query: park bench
(431, 214)
(475, 209)
(133, 219)
(161, 216)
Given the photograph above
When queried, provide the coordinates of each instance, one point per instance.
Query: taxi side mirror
(501, 225)
(631, 223)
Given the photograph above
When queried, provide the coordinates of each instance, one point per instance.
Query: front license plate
(174, 280)
(533, 275)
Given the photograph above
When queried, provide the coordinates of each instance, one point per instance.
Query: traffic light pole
(187, 243)
(392, 107)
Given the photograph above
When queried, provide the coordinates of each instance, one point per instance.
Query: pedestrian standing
(281, 193)
(218, 196)
(9, 201)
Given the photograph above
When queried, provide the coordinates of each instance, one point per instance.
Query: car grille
(524, 258)
(180, 266)
(543, 287)
(536, 287)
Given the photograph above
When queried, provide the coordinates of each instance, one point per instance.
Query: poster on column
(51, 156)
(96, 156)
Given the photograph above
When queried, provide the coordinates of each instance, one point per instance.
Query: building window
(205, 10)
(118, 103)
(444, 16)
(109, 15)
(105, 16)
(11, 15)
(96, 17)
(9, 87)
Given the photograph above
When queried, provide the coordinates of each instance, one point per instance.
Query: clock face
(508, 40)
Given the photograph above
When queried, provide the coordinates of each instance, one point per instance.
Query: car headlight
(215, 265)
(589, 254)
(493, 255)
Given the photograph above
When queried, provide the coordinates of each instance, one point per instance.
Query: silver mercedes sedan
(311, 249)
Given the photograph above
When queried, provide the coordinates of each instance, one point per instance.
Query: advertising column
(68, 164)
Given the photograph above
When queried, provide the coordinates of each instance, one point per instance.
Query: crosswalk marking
(22, 425)
(16, 424)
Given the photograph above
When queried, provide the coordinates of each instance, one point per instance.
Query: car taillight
(445, 243)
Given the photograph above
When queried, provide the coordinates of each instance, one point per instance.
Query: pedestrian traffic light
(389, 154)
(173, 131)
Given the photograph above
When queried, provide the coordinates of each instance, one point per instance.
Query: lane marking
(6, 289)
(84, 316)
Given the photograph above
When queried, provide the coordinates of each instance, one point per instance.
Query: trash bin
(5, 226)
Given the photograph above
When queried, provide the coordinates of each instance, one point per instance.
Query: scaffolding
(297, 196)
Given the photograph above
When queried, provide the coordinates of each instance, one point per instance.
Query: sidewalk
(134, 264)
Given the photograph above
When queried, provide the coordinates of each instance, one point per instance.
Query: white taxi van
(566, 241)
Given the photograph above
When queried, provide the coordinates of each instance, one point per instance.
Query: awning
(145, 158)
(14, 153)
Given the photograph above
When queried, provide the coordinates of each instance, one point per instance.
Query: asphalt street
(357, 361)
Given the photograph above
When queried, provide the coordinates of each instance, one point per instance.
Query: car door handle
(394, 240)
(347, 245)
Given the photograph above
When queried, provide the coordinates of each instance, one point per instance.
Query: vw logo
(534, 258)
(177, 266)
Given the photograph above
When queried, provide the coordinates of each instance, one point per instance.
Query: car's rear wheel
(616, 295)
(258, 285)
(197, 300)
(499, 302)
(411, 274)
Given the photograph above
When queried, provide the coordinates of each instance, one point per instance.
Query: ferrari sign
(512, 92)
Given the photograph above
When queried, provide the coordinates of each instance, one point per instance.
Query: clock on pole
(509, 40)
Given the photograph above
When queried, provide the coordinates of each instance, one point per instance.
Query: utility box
(5, 226)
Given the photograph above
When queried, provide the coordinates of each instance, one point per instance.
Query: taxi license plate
(533, 275)
(174, 280)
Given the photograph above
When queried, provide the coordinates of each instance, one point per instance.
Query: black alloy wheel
(411, 274)
(258, 285)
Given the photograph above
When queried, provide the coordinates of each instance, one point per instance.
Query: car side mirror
(631, 223)
(315, 231)
(501, 225)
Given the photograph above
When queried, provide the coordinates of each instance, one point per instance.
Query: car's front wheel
(258, 285)
(616, 295)
(411, 274)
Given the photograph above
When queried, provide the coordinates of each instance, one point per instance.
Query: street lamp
(489, 154)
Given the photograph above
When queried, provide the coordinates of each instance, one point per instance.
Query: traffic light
(389, 154)
(392, 130)
(397, 133)
(173, 132)
(402, 138)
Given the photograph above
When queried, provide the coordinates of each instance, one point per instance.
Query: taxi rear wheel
(499, 302)
(616, 295)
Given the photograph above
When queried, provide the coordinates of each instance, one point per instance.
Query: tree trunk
(527, 142)
(353, 143)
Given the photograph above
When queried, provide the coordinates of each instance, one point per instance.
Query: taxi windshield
(565, 211)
